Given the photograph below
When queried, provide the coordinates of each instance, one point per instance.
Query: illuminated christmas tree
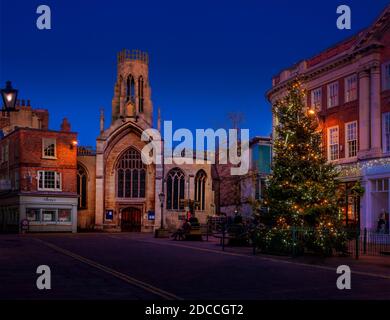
(301, 196)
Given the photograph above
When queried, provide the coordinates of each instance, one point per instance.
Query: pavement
(135, 266)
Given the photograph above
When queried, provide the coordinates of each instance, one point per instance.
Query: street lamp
(9, 96)
(161, 196)
(312, 111)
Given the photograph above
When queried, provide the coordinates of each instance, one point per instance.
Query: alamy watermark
(344, 280)
(232, 147)
(44, 280)
(344, 21)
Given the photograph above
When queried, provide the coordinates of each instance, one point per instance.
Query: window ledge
(49, 158)
(346, 160)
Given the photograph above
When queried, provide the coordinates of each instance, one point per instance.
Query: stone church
(117, 191)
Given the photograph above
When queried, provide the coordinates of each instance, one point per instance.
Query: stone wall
(86, 217)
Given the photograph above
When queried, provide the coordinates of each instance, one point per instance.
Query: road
(139, 267)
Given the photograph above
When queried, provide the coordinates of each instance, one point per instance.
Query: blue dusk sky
(207, 58)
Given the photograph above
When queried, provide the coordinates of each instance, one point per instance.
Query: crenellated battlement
(133, 55)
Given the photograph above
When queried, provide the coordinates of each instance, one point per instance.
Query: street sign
(109, 214)
(151, 215)
(25, 224)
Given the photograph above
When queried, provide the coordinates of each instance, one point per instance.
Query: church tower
(132, 94)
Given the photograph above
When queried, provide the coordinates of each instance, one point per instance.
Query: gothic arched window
(130, 88)
(141, 94)
(131, 175)
(175, 189)
(82, 187)
(200, 187)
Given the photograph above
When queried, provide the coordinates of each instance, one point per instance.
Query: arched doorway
(131, 219)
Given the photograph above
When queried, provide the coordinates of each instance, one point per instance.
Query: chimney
(65, 125)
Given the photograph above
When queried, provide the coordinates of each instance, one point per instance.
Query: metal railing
(359, 242)
(368, 242)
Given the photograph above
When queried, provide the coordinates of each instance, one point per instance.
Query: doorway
(131, 219)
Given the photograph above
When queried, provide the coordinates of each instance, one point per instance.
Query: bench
(194, 233)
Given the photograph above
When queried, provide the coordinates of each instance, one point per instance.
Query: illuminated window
(200, 186)
(351, 88)
(333, 143)
(49, 215)
(175, 189)
(33, 214)
(64, 215)
(351, 139)
(333, 94)
(131, 175)
(48, 148)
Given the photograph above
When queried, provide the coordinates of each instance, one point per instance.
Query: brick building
(348, 87)
(37, 173)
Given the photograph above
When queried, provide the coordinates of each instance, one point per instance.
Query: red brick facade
(25, 157)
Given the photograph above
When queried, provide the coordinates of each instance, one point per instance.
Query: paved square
(136, 266)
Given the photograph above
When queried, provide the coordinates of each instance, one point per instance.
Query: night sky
(207, 58)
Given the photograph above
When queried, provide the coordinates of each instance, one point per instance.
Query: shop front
(49, 214)
(376, 199)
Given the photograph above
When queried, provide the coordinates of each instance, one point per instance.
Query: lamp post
(9, 96)
(161, 196)
(162, 233)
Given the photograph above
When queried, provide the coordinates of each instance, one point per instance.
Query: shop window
(64, 215)
(33, 214)
(48, 215)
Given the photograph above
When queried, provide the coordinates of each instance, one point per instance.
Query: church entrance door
(131, 219)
